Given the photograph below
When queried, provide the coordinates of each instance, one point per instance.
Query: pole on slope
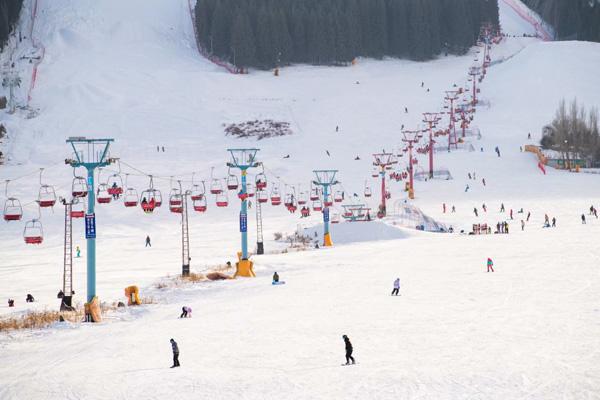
(431, 119)
(410, 138)
(326, 178)
(243, 159)
(383, 161)
(90, 154)
(185, 234)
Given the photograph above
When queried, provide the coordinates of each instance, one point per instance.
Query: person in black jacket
(175, 353)
(348, 350)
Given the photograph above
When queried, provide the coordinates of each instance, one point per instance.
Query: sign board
(326, 214)
(90, 226)
(243, 222)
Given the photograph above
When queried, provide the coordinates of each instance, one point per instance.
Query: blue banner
(90, 226)
(243, 222)
(326, 214)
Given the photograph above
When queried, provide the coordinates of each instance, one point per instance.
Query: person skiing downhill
(349, 350)
(148, 241)
(396, 287)
(583, 218)
(490, 265)
(275, 277)
(175, 353)
(186, 312)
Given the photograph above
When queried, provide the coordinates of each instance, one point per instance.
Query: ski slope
(130, 70)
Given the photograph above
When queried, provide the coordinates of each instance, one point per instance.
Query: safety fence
(41, 50)
(543, 31)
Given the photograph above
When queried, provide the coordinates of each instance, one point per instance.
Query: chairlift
(77, 209)
(338, 197)
(131, 198)
(200, 204)
(250, 190)
(79, 187)
(275, 196)
(115, 185)
(12, 207)
(302, 198)
(317, 205)
(46, 194)
(103, 196)
(216, 186)
(368, 192)
(175, 197)
(33, 232)
(222, 199)
(150, 198)
(232, 182)
(261, 181)
(198, 191)
(335, 217)
(314, 194)
(262, 196)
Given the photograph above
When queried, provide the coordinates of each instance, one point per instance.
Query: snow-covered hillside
(131, 71)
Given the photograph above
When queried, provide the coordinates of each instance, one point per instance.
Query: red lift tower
(410, 138)
(431, 119)
(383, 161)
(451, 97)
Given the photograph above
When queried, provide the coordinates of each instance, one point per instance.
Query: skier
(484, 207)
(483, 181)
(554, 222)
(29, 298)
(511, 214)
(453, 209)
(583, 219)
(11, 302)
(286, 156)
(475, 212)
(396, 287)
(529, 136)
(337, 128)
(349, 350)
(422, 84)
(528, 215)
(275, 277)
(186, 312)
(444, 207)
(406, 110)
(497, 151)
(466, 188)
(469, 175)
(490, 265)
(148, 241)
(78, 251)
(163, 149)
(175, 353)
(522, 225)
(502, 207)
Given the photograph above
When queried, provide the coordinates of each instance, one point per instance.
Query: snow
(117, 69)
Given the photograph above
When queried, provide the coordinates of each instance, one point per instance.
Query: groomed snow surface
(130, 70)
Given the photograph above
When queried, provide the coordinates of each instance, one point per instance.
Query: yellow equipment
(133, 296)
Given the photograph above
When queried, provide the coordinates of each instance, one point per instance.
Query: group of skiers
(28, 299)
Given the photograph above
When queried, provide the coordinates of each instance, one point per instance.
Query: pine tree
(242, 41)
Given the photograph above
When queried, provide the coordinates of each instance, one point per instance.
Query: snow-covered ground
(117, 69)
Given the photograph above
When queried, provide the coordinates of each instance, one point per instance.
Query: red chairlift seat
(338, 197)
(103, 196)
(46, 196)
(200, 205)
(261, 181)
(12, 210)
(328, 203)
(250, 189)
(232, 182)
(262, 196)
(222, 200)
(216, 187)
(317, 205)
(131, 198)
(148, 206)
(33, 232)
(79, 187)
(314, 194)
(115, 185)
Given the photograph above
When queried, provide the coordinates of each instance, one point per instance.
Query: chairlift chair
(275, 196)
(46, 196)
(302, 198)
(78, 210)
(33, 232)
(250, 190)
(222, 200)
(314, 194)
(232, 182)
(216, 187)
(200, 204)
(115, 185)
(12, 209)
(317, 205)
(262, 196)
(79, 187)
(175, 198)
(338, 197)
(131, 198)
(261, 181)
(103, 196)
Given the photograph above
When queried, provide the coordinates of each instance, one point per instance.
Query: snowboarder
(490, 265)
(186, 312)
(349, 350)
(275, 277)
(78, 251)
(396, 287)
(29, 298)
(148, 241)
(175, 353)
(583, 219)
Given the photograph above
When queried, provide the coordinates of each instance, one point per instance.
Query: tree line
(267, 33)
(9, 14)
(574, 133)
(571, 19)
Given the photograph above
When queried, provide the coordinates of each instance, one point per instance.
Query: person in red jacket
(490, 265)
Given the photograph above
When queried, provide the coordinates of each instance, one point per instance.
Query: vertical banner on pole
(90, 226)
(243, 222)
